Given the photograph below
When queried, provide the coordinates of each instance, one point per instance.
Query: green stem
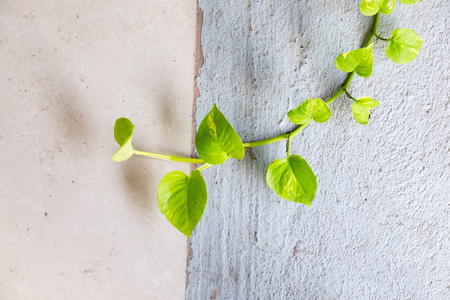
(288, 144)
(299, 129)
(380, 38)
(277, 138)
(344, 87)
(348, 95)
(205, 166)
(170, 157)
(267, 141)
(374, 29)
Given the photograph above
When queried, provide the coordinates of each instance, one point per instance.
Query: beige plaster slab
(73, 223)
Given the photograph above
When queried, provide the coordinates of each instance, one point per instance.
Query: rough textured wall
(379, 226)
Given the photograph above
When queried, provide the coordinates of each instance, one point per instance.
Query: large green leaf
(361, 109)
(315, 108)
(404, 45)
(216, 139)
(359, 60)
(372, 7)
(292, 179)
(409, 1)
(123, 132)
(182, 199)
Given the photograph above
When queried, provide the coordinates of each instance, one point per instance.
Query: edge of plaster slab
(198, 63)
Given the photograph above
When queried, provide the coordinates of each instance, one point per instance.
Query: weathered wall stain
(198, 55)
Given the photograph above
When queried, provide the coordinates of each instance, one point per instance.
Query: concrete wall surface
(73, 223)
(379, 225)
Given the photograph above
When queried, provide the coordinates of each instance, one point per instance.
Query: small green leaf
(182, 199)
(372, 7)
(123, 132)
(301, 114)
(404, 45)
(216, 139)
(409, 1)
(359, 60)
(292, 179)
(315, 108)
(361, 109)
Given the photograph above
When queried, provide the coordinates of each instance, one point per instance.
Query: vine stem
(205, 166)
(170, 157)
(277, 138)
(344, 87)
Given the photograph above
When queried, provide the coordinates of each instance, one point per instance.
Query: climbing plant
(182, 198)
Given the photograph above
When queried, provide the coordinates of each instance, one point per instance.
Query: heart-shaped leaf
(216, 139)
(359, 60)
(315, 108)
(409, 1)
(372, 7)
(361, 109)
(182, 199)
(404, 45)
(123, 132)
(292, 179)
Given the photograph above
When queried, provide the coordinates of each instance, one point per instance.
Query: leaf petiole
(348, 95)
(288, 143)
(299, 129)
(205, 166)
(379, 37)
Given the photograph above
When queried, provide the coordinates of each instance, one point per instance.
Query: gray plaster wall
(379, 225)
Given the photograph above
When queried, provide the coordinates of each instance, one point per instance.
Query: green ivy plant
(182, 198)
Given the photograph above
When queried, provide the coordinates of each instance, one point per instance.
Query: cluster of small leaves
(403, 47)
(182, 198)
(372, 7)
